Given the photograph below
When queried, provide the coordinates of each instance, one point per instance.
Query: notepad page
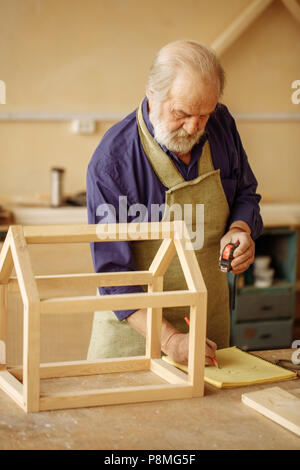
(239, 368)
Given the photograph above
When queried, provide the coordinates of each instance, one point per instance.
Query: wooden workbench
(218, 421)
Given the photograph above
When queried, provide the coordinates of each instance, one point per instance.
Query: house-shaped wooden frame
(22, 383)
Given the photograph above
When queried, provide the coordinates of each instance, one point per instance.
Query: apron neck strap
(162, 165)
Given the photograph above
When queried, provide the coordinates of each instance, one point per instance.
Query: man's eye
(179, 115)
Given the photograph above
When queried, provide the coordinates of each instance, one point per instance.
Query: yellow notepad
(239, 368)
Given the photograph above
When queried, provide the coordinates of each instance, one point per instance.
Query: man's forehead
(193, 105)
(191, 94)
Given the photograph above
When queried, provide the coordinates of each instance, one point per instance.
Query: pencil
(213, 358)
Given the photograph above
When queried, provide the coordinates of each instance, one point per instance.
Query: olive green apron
(111, 338)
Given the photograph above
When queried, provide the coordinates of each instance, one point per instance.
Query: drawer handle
(265, 336)
(266, 308)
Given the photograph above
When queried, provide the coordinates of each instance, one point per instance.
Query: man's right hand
(173, 343)
(177, 347)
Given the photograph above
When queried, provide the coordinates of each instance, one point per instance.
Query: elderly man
(180, 147)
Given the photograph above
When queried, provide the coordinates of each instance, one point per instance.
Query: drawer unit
(263, 335)
(260, 307)
(263, 317)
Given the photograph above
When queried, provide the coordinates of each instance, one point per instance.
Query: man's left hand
(243, 255)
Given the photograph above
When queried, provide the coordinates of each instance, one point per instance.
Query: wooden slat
(197, 343)
(154, 323)
(239, 25)
(118, 302)
(168, 372)
(10, 385)
(62, 281)
(77, 368)
(163, 258)
(6, 260)
(98, 232)
(277, 404)
(31, 327)
(113, 396)
(190, 267)
(3, 323)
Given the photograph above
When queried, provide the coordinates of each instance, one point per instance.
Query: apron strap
(205, 164)
(163, 167)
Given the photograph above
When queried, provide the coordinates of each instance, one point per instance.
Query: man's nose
(192, 125)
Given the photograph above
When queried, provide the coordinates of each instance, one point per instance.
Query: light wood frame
(22, 383)
(242, 22)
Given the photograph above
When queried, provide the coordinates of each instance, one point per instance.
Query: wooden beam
(197, 344)
(10, 385)
(293, 7)
(190, 266)
(239, 25)
(118, 302)
(6, 260)
(154, 322)
(63, 281)
(3, 323)
(168, 372)
(163, 258)
(31, 327)
(78, 368)
(138, 394)
(98, 232)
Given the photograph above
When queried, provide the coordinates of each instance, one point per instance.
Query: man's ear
(149, 95)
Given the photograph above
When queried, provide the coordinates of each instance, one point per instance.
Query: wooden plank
(10, 385)
(78, 368)
(197, 343)
(163, 258)
(3, 323)
(6, 260)
(154, 323)
(62, 281)
(239, 25)
(168, 372)
(31, 327)
(278, 405)
(190, 267)
(113, 396)
(98, 232)
(118, 302)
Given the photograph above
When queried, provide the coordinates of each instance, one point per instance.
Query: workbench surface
(219, 420)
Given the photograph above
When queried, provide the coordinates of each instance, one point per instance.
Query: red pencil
(213, 358)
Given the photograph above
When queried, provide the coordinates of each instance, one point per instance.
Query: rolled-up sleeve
(103, 207)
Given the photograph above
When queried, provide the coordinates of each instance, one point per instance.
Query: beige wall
(94, 55)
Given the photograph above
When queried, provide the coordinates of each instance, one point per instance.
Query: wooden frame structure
(246, 18)
(22, 383)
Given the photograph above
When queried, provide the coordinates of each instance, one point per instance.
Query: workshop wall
(94, 56)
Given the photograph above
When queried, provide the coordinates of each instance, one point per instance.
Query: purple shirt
(119, 167)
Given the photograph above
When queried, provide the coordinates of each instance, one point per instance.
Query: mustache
(184, 134)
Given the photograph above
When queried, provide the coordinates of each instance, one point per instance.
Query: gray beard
(179, 141)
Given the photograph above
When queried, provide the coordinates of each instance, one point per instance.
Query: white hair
(180, 55)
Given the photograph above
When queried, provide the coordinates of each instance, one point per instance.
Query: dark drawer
(263, 335)
(264, 306)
